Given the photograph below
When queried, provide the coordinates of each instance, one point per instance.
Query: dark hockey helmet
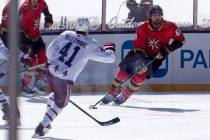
(155, 9)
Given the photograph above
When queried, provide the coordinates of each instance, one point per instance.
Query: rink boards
(187, 69)
(189, 65)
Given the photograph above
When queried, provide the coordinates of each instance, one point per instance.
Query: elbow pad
(173, 45)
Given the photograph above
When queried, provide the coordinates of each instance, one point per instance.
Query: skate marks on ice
(50, 138)
(159, 109)
(144, 104)
(180, 117)
(35, 98)
(139, 100)
(6, 127)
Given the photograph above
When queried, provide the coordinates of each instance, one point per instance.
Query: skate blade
(25, 94)
(102, 103)
(114, 104)
(18, 122)
(36, 136)
(39, 92)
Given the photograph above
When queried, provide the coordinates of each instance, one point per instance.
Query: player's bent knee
(121, 75)
(139, 78)
(60, 103)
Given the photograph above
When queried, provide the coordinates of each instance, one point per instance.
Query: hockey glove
(2, 30)
(26, 60)
(48, 63)
(134, 62)
(48, 21)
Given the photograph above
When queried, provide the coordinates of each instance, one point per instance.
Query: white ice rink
(143, 117)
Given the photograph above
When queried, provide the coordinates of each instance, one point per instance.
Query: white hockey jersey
(4, 52)
(69, 53)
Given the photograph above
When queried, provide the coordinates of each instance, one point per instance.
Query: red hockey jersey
(151, 41)
(30, 18)
(5, 17)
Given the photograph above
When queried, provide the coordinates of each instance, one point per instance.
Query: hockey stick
(106, 123)
(23, 70)
(32, 68)
(150, 62)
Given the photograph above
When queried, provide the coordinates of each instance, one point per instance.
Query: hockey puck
(92, 107)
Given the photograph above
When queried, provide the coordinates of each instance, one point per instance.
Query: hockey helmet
(155, 9)
(82, 25)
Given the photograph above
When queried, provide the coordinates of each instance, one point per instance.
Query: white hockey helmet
(82, 25)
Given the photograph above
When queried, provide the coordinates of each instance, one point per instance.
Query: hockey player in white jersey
(4, 105)
(67, 56)
(3, 101)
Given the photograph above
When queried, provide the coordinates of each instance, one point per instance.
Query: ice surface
(143, 117)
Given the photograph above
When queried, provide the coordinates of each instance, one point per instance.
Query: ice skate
(107, 99)
(111, 96)
(41, 87)
(28, 90)
(41, 130)
(5, 110)
(120, 99)
(6, 114)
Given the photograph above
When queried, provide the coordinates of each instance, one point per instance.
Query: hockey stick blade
(110, 122)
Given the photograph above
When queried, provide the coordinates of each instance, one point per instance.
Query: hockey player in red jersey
(67, 56)
(32, 44)
(30, 14)
(4, 24)
(154, 37)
